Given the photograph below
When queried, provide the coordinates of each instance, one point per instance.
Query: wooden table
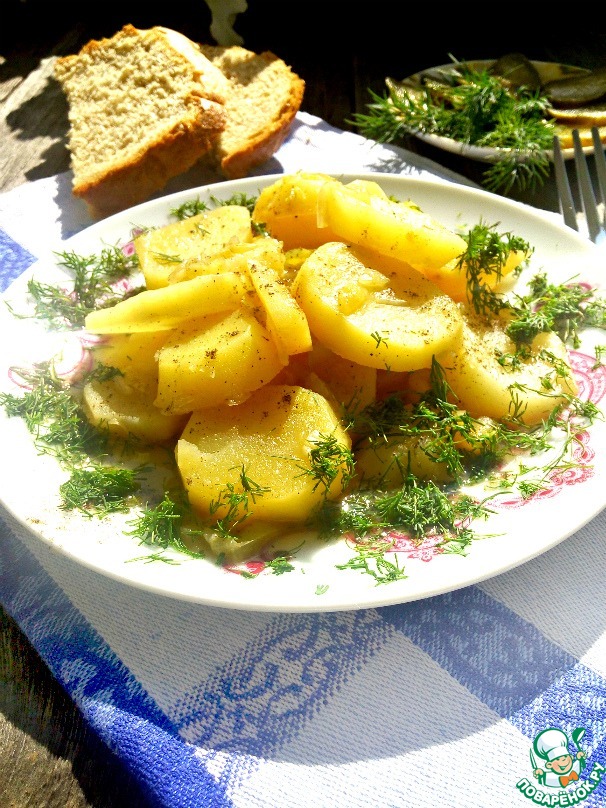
(48, 757)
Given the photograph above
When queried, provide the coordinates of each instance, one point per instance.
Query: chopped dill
(99, 491)
(195, 206)
(376, 564)
(164, 525)
(54, 418)
(474, 107)
(91, 287)
(328, 459)
(564, 308)
(235, 503)
(486, 255)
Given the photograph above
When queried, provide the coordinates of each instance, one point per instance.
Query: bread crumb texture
(144, 105)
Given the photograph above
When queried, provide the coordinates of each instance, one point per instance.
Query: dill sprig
(474, 107)
(374, 562)
(166, 524)
(328, 459)
(55, 418)
(565, 308)
(90, 287)
(195, 206)
(234, 501)
(485, 257)
(99, 490)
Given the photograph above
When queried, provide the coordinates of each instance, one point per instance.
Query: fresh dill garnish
(99, 490)
(164, 258)
(474, 107)
(485, 257)
(235, 503)
(195, 206)
(244, 200)
(565, 308)
(375, 563)
(188, 209)
(165, 525)
(90, 287)
(260, 229)
(54, 418)
(328, 459)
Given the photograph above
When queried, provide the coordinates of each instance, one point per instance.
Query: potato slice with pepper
(396, 321)
(175, 246)
(259, 456)
(359, 215)
(481, 373)
(220, 360)
(168, 307)
(264, 263)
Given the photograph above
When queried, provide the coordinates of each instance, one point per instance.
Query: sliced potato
(396, 322)
(124, 411)
(180, 244)
(221, 361)
(486, 387)
(265, 443)
(353, 386)
(396, 229)
(288, 210)
(134, 355)
(285, 318)
(170, 306)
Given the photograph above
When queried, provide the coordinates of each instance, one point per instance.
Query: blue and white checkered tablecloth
(430, 703)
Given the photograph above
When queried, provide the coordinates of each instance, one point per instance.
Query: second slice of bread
(144, 106)
(265, 95)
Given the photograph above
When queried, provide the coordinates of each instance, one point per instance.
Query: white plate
(29, 483)
(548, 71)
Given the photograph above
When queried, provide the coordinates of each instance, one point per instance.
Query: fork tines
(591, 205)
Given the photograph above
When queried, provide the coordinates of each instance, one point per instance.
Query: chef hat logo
(550, 744)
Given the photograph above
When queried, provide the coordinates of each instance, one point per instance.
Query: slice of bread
(144, 106)
(265, 95)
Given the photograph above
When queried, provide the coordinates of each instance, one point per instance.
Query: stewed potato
(395, 229)
(221, 360)
(338, 352)
(288, 209)
(487, 384)
(165, 308)
(262, 448)
(195, 240)
(126, 412)
(382, 321)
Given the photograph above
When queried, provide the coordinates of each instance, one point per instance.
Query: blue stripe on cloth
(262, 698)
(111, 699)
(14, 259)
(509, 665)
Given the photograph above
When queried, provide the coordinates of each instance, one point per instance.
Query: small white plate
(548, 71)
(518, 531)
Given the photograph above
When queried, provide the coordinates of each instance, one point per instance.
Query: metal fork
(593, 209)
